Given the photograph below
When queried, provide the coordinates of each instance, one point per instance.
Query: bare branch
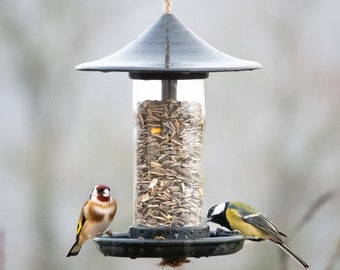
(313, 209)
(335, 256)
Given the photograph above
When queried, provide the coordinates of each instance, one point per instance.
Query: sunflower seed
(153, 182)
(169, 182)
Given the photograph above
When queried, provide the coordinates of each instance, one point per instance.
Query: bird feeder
(168, 64)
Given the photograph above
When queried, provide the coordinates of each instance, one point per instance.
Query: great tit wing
(262, 222)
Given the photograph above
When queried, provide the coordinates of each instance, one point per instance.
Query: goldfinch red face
(100, 193)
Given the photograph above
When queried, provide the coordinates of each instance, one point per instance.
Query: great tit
(238, 216)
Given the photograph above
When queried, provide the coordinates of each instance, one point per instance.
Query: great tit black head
(217, 214)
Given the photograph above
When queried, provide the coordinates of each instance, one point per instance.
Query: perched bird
(95, 216)
(238, 216)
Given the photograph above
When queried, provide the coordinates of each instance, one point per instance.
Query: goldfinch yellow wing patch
(81, 222)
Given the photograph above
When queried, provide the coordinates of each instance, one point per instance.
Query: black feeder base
(217, 243)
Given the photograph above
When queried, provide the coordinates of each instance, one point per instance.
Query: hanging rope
(167, 6)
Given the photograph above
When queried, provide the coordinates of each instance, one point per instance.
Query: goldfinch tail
(74, 249)
(292, 254)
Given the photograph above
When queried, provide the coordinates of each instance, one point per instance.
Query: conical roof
(168, 46)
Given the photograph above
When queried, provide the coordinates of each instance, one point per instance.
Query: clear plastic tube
(168, 143)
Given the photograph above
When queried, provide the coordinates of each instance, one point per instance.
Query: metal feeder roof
(168, 46)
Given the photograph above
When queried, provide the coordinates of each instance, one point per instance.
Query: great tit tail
(293, 255)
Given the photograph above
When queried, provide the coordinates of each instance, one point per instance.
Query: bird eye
(101, 189)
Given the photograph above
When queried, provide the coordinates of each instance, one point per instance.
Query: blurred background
(272, 135)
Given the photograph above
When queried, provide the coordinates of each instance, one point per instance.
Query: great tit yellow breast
(237, 223)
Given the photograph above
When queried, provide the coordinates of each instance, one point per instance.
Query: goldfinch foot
(109, 233)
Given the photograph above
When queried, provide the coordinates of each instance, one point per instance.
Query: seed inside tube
(156, 130)
(169, 181)
(153, 182)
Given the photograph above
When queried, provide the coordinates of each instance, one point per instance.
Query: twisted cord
(167, 6)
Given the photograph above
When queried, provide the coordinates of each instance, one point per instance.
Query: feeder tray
(219, 242)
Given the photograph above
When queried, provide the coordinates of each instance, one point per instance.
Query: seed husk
(168, 163)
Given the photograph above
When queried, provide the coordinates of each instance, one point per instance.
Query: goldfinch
(252, 224)
(95, 216)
